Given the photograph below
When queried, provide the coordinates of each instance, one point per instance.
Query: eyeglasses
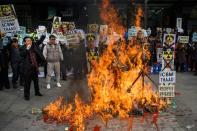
(52, 39)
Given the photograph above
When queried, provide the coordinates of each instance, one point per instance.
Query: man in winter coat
(31, 56)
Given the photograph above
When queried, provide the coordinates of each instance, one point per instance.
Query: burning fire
(113, 93)
(138, 16)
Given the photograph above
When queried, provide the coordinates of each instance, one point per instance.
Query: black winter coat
(26, 62)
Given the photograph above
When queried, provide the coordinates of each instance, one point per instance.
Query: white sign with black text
(167, 91)
(167, 77)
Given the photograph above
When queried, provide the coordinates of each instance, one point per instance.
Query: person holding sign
(181, 57)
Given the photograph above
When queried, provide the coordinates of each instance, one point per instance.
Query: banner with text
(8, 19)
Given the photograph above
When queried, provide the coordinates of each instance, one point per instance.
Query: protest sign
(168, 59)
(183, 39)
(93, 28)
(179, 23)
(167, 91)
(56, 26)
(169, 40)
(41, 31)
(8, 19)
(194, 37)
(132, 31)
(159, 55)
(167, 77)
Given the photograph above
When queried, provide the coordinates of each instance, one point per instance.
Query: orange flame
(109, 81)
(138, 16)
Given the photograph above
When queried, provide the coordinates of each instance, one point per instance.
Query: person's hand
(28, 47)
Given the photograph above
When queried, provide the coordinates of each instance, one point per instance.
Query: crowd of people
(59, 58)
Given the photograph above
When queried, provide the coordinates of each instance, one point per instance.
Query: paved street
(16, 113)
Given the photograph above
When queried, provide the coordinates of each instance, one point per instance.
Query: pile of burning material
(109, 81)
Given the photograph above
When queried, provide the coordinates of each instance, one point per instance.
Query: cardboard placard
(41, 31)
(194, 37)
(169, 40)
(167, 77)
(93, 28)
(132, 31)
(183, 39)
(8, 19)
(179, 23)
(168, 60)
(167, 91)
(56, 26)
(159, 55)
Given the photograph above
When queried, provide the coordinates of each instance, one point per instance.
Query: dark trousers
(4, 80)
(15, 71)
(196, 67)
(28, 77)
(181, 67)
(77, 69)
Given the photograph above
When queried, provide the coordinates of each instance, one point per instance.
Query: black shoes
(38, 94)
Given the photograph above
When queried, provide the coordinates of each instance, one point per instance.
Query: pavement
(16, 113)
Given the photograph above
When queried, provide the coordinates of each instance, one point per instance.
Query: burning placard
(183, 39)
(132, 32)
(103, 34)
(8, 19)
(166, 91)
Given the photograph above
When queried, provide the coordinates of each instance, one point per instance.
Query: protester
(53, 54)
(4, 62)
(181, 57)
(31, 56)
(15, 59)
(195, 56)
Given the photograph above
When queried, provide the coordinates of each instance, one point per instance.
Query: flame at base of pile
(109, 81)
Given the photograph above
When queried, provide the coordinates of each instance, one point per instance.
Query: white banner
(183, 39)
(8, 20)
(167, 77)
(159, 55)
(179, 23)
(167, 91)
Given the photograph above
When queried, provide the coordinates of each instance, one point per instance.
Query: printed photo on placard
(93, 28)
(169, 40)
(168, 59)
(68, 28)
(56, 26)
